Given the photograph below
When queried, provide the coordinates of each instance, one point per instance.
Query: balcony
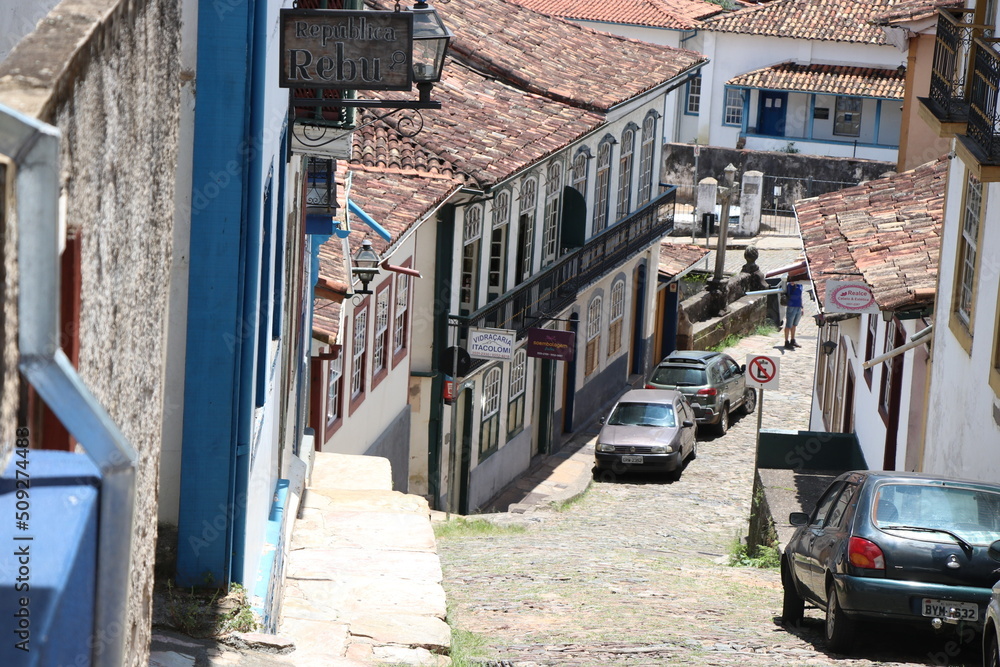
(556, 286)
(947, 108)
(979, 147)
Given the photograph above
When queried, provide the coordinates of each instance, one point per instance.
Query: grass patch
(764, 556)
(764, 329)
(462, 527)
(568, 504)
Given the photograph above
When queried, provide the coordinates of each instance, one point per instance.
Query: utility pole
(717, 285)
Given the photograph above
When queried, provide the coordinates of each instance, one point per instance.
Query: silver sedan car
(649, 430)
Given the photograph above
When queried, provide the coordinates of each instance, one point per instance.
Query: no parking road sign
(762, 371)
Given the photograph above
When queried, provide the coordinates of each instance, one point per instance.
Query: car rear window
(678, 377)
(973, 514)
(642, 414)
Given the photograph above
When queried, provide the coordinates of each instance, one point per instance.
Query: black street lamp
(430, 43)
(366, 263)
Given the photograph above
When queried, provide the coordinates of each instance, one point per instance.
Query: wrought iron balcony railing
(984, 119)
(556, 286)
(954, 43)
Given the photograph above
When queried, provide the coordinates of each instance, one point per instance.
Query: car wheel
(792, 604)
(749, 400)
(839, 628)
(991, 653)
(723, 425)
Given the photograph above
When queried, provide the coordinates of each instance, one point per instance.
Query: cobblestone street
(636, 571)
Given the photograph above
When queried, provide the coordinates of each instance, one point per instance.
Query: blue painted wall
(217, 328)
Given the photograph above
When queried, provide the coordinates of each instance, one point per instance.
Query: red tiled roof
(914, 10)
(887, 230)
(671, 14)
(827, 20)
(829, 79)
(485, 131)
(675, 257)
(556, 58)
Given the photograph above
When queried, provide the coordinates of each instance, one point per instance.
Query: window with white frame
(399, 317)
(603, 185)
(648, 144)
(733, 110)
(359, 350)
(968, 244)
(694, 96)
(515, 405)
(489, 435)
(526, 227)
(593, 336)
(617, 317)
(334, 390)
(472, 233)
(550, 230)
(870, 346)
(380, 347)
(625, 173)
(497, 269)
(847, 119)
(579, 173)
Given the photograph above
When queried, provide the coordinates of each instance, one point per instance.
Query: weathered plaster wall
(9, 378)
(106, 73)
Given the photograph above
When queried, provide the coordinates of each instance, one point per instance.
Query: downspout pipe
(34, 148)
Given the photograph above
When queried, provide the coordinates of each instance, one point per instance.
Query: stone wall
(678, 166)
(9, 376)
(106, 74)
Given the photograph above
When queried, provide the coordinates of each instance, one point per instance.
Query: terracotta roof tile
(829, 79)
(913, 10)
(675, 257)
(557, 58)
(887, 230)
(671, 14)
(827, 20)
(485, 131)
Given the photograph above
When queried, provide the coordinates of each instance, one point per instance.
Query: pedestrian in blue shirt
(793, 313)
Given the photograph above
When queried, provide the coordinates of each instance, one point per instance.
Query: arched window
(593, 336)
(515, 406)
(603, 184)
(617, 317)
(646, 152)
(550, 230)
(579, 173)
(497, 269)
(473, 232)
(625, 173)
(489, 435)
(526, 227)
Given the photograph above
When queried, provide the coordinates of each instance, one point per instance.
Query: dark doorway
(773, 109)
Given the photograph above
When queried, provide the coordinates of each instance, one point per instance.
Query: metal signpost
(762, 372)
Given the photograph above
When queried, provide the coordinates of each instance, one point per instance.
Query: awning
(368, 220)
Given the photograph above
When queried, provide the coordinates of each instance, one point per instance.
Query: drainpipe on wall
(34, 148)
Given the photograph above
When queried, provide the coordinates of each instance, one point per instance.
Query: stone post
(750, 202)
(708, 189)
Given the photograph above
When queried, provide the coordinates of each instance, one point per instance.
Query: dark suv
(713, 383)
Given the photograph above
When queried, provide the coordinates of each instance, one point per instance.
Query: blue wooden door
(771, 119)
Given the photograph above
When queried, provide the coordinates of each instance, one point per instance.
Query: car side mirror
(687, 423)
(994, 551)
(743, 368)
(798, 519)
(601, 421)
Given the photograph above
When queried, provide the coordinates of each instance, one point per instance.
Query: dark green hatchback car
(904, 547)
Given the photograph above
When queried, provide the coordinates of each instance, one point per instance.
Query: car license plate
(956, 611)
(631, 459)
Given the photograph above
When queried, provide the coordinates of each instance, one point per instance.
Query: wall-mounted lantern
(430, 43)
(366, 263)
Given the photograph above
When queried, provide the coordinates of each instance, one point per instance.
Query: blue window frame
(693, 104)
(732, 111)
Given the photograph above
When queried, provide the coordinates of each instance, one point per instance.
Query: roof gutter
(923, 336)
(34, 148)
